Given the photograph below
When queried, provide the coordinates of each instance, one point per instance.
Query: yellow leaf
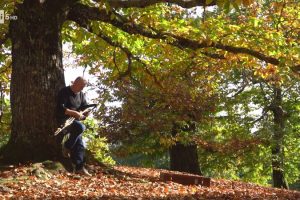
(247, 2)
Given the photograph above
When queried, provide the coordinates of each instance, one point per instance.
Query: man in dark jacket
(70, 100)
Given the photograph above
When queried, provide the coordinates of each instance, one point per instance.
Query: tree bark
(37, 76)
(184, 158)
(279, 180)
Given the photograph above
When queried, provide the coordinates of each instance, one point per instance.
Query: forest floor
(46, 181)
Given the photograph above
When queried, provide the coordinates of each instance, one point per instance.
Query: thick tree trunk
(184, 158)
(277, 146)
(37, 75)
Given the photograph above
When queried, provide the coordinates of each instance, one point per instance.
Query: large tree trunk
(277, 146)
(184, 158)
(37, 75)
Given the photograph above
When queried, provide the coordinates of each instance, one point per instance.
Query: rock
(51, 165)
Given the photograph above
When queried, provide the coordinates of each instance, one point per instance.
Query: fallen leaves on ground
(122, 182)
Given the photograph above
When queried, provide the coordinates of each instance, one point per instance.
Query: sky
(72, 73)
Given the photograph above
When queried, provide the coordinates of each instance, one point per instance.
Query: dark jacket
(68, 99)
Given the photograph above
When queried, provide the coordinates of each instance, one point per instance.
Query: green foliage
(5, 121)
(292, 148)
(155, 160)
(220, 92)
(244, 114)
(97, 145)
(250, 166)
(224, 98)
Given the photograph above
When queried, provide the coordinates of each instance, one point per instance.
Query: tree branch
(128, 71)
(5, 68)
(82, 13)
(182, 42)
(264, 113)
(3, 39)
(84, 23)
(145, 3)
(214, 55)
(264, 93)
(129, 56)
(233, 145)
(193, 44)
(240, 90)
(296, 69)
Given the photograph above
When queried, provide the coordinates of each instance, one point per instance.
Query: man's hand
(86, 113)
(80, 116)
(73, 113)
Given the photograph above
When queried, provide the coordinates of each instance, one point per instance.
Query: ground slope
(39, 181)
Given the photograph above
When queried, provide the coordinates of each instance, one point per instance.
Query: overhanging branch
(87, 13)
(214, 55)
(84, 23)
(129, 56)
(264, 113)
(145, 3)
(231, 146)
(296, 69)
(81, 14)
(182, 42)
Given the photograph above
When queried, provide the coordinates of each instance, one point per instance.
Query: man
(70, 100)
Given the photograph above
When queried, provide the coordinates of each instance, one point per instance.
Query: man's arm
(74, 113)
(62, 100)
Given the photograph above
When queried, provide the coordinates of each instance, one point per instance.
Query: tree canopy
(193, 72)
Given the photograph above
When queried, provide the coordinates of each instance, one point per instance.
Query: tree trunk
(37, 75)
(184, 158)
(277, 146)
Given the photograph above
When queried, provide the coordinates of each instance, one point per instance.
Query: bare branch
(115, 62)
(263, 91)
(145, 3)
(264, 113)
(3, 39)
(240, 90)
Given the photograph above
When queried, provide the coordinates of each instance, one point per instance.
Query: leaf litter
(123, 182)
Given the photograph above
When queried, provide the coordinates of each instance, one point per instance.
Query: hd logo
(5, 16)
(1, 16)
